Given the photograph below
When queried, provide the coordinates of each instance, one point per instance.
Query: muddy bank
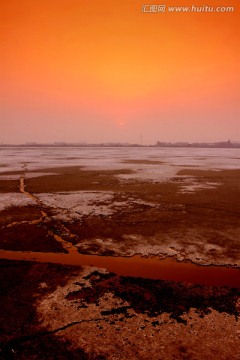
(110, 216)
(21, 334)
(75, 178)
(29, 237)
(63, 312)
(159, 218)
(28, 229)
(154, 297)
(151, 268)
(150, 205)
(19, 214)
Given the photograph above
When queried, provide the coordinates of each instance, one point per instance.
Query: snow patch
(15, 199)
(73, 205)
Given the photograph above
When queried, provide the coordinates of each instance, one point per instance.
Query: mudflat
(143, 204)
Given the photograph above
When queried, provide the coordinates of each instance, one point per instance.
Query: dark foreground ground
(51, 311)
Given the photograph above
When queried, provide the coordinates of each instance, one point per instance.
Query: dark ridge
(154, 297)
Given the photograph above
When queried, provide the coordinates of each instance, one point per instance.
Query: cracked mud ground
(60, 312)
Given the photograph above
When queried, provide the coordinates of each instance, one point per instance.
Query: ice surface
(69, 206)
(173, 159)
(32, 160)
(28, 175)
(83, 202)
(195, 186)
(15, 199)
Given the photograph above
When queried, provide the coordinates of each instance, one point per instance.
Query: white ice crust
(15, 199)
(172, 159)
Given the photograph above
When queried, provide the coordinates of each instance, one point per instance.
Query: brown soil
(9, 186)
(119, 318)
(18, 214)
(63, 312)
(26, 228)
(21, 335)
(202, 226)
(73, 178)
(31, 237)
(154, 297)
(207, 216)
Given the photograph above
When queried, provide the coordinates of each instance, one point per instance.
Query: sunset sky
(102, 70)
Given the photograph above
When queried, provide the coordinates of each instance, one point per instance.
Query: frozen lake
(125, 201)
(147, 162)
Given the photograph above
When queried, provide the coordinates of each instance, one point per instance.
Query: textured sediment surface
(60, 312)
(118, 203)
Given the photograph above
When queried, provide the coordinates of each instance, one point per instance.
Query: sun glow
(93, 62)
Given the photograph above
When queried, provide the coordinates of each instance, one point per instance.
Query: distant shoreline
(234, 145)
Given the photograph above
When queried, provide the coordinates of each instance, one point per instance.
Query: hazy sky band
(102, 70)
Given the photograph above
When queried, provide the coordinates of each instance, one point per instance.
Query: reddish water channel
(152, 268)
(137, 266)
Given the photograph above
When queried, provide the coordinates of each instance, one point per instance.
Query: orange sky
(102, 70)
